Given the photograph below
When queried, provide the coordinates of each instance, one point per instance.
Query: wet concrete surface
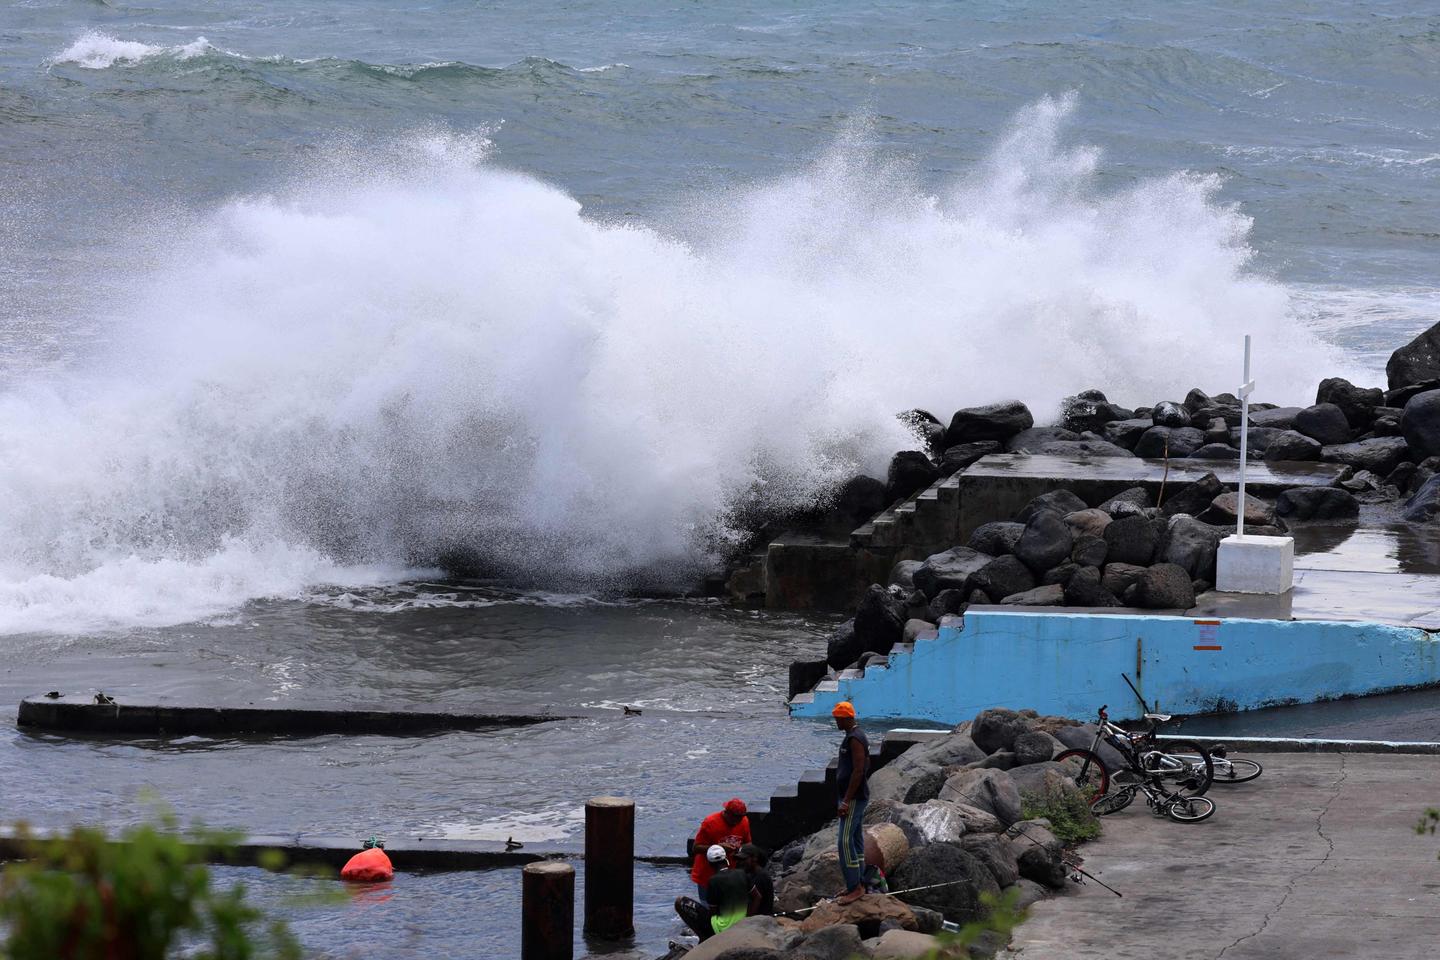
(1318, 858)
(1407, 715)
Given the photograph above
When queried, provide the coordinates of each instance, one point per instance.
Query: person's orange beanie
(844, 709)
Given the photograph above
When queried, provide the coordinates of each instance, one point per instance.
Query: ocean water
(300, 301)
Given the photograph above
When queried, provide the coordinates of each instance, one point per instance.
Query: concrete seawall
(1069, 663)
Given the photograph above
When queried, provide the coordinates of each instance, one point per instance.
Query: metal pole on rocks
(547, 926)
(610, 868)
(1246, 388)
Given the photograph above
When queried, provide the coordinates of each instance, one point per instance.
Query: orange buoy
(370, 865)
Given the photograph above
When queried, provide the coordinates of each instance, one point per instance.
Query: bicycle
(1227, 769)
(1176, 806)
(1191, 770)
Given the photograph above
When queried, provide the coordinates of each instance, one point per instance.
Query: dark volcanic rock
(1083, 448)
(1167, 413)
(1086, 412)
(1425, 504)
(1357, 403)
(1118, 577)
(1045, 542)
(1216, 431)
(1193, 498)
(1260, 438)
(1002, 577)
(997, 729)
(1216, 451)
(1091, 521)
(1090, 550)
(960, 456)
(910, 471)
(1060, 573)
(1282, 418)
(1133, 496)
(957, 880)
(1031, 440)
(1086, 589)
(843, 648)
(1257, 512)
(1420, 424)
(1197, 399)
(1317, 503)
(1403, 395)
(1324, 422)
(1127, 433)
(1179, 441)
(1292, 446)
(1416, 361)
(1131, 540)
(1165, 586)
(1380, 455)
(950, 570)
(859, 500)
(1191, 544)
(1062, 502)
(1229, 413)
(879, 620)
(1045, 595)
(997, 538)
(996, 421)
(946, 603)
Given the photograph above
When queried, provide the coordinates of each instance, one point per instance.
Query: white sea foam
(411, 350)
(97, 51)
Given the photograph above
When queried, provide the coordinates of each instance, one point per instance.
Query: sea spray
(408, 352)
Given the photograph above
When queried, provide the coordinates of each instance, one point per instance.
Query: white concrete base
(1255, 565)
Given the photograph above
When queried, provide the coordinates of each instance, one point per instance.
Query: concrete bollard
(610, 868)
(547, 926)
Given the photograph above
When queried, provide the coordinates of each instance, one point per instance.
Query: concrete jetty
(1318, 858)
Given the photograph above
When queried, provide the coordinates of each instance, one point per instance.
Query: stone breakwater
(952, 810)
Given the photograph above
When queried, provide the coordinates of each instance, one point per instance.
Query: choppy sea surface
(301, 302)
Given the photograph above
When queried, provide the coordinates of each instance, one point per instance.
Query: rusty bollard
(610, 868)
(547, 926)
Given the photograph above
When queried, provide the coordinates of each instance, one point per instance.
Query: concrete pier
(1318, 858)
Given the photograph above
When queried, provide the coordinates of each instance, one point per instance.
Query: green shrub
(1067, 809)
(84, 897)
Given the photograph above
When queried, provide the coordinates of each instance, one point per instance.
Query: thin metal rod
(1245, 387)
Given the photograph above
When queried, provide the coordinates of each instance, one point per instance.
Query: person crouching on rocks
(762, 888)
(730, 897)
(850, 777)
(730, 829)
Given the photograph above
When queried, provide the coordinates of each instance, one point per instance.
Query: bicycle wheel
(1228, 770)
(1112, 802)
(1090, 775)
(1189, 809)
(1186, 767)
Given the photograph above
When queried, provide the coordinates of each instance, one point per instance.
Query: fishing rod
(1143, 705)
(1073, 865)
(884, 893)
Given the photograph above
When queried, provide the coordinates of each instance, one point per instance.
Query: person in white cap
(730, 894)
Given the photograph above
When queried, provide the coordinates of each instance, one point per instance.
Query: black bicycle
(1184, 764)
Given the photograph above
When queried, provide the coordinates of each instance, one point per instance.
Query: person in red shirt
(729, 828)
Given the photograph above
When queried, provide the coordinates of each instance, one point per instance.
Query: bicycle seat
(1162, 717)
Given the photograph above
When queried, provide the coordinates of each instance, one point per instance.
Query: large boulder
(1045, 542)
(1282, 418)
(1087, 447)
(997, 538)
(1259, 439)
(840, 942)
(1174, 442)
(1191, 544)
(997, 729)
(1127, 433)
(1424, 504)
(903, 945)
(1168, 413)
(1357, 403)
(1091, 521)
(1117, 577)
(1317, 503)
(880, 619)
(1082, 737)
(1045, 595)
(866, 914)
(1226, 508)
(1035, 438)
(1089, 551)
(960, 456)
(1084, 589)
(996, 421)
(1002, 577)
(946, 603)
(937, 867)
(991, 790)
(1378, 455)
(1216, 451)
(1035, 747)
(1127, 501)
(1324, 423)
(997, 853)
(1039, 853)
(1292, 446)
(1061, 501)
(893, 781)
(902, 575)
(751, 934)
(1418, 360)
(858, 500)
(950, 570)
(1131, 539)
(1165, 586)
(1193, 498)
(910, 471)
(844, 647)
(1089, 410)
(1420, 424)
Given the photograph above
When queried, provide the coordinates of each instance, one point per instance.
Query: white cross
(1246, 389)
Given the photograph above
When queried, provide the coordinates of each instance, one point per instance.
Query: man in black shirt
(850, 781)
(762, 888)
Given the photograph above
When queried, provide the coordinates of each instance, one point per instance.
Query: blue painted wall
(1069, 664)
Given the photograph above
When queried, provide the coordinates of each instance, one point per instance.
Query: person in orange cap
(854, 792)
(728, 828)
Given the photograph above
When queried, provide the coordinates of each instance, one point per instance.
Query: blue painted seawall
(1071, 663)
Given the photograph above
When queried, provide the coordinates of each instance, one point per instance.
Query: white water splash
(98, 51)
(410, 350)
